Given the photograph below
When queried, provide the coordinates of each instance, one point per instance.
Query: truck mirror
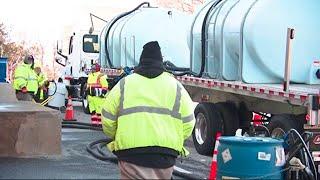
(59, 49)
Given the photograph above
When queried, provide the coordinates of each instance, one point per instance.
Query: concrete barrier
(7, 93)
(26, 128)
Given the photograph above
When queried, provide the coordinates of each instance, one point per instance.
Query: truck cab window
(90, 43)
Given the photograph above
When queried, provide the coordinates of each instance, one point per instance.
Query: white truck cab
(83, 51)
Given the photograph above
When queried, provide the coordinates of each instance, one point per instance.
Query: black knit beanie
(151, 50)
(151, 62)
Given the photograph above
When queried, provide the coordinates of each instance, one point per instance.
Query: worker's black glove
(92, 91)
(46, 83)
(103, 92)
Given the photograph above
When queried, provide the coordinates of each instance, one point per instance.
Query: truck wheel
(85, 104)
(208, 123)
(230, 117)
(282, 123)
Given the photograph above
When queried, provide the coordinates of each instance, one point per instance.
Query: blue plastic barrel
(3, 69)
(250, 158)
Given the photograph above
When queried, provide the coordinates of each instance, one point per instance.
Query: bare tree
(3, 37)
(15, 52)
(182, 5)
(37, 51)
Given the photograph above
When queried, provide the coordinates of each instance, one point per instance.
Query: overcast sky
(44, 20)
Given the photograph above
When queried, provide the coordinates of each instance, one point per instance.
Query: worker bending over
(97, 86)
(43, 84)
(25, 80)
(148, 115)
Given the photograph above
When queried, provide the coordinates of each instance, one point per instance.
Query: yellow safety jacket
(97, 82)
(24, 76)
(32, 85)
(41, 78)
(143, 112)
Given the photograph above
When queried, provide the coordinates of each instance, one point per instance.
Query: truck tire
(282, 123)
(208, 123)
(85, 104)
(230, 117)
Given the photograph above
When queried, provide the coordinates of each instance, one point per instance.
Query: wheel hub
(85, 102)
(201, 128)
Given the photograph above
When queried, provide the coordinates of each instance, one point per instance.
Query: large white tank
(128, 35)
(246, 40)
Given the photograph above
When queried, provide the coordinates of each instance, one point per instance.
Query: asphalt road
(76, 163)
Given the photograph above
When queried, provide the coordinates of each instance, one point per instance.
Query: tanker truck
(235, 58)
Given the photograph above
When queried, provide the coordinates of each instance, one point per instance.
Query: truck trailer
(223, 77)
(235, 58)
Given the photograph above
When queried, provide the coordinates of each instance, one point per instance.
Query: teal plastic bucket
(250, 158)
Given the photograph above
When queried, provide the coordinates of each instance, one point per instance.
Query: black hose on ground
(100, 148)
(101, 143)
(90, 148)
(78, 123)
(74, 126)
(184, 175)
(101, 155)
(310, 173)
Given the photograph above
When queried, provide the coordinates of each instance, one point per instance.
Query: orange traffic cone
(214, 166)
(69, 115)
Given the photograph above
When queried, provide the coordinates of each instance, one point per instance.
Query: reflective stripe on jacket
(32, 85)
(143, 112)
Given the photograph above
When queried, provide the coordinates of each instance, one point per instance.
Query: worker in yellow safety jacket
(97, 88)
(43, 84)
(149, 115)
(25, 80)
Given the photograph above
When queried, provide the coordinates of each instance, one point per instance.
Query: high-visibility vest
(21, 76)
(32, 85)
(143, 112)
(97, 80)
(24, 76)
(41, 79)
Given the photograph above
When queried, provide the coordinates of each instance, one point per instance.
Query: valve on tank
(170, 14)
